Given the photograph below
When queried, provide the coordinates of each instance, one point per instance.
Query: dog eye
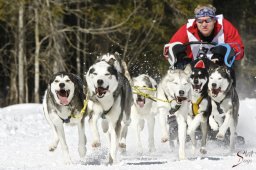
(219, 78)
(107, 74)
(67, 80)
(56, 81)
(95, 74)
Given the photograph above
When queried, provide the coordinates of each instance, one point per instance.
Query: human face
(205, 25)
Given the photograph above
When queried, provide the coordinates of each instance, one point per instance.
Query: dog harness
(195, 106)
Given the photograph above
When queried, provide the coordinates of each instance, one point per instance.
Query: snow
(25, 136)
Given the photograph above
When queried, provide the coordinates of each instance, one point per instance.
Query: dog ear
(188, 69)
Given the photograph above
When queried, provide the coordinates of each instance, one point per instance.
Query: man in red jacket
(206, 27)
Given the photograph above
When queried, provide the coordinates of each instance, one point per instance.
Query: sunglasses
(208, 20)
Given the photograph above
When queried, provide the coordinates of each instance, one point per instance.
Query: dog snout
(62, 85)
(181, 92)
(196, 81)
(214, 85)
(100, 82)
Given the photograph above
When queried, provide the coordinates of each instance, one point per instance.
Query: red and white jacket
(224, 32)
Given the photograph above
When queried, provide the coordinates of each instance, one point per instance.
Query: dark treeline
(39, 38)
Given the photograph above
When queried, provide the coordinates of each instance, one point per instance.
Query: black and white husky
(200, 109)
(173, 94)
(144, 94)
(225, 103)
(63, 104)
(110, 98)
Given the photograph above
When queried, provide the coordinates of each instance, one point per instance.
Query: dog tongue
(140, 103)
(63, 100)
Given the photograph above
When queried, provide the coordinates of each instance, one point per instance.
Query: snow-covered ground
(25, 135)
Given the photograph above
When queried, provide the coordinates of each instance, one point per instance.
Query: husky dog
(175, 89)
(225, 103)
(63, 104)
(200, 109)
(142, 109)
(111, 98)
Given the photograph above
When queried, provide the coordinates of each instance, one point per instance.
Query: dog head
(219, 80)
(112, 59)
(178, 84)
(199, 77)
(62, 88)
(102, 79)
(146, 85)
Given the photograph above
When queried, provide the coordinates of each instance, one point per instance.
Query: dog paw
(52, 148)
(122, 145)
(96, 144)
(183, 157)
(152, 149)
(203, 151)
(220, 136)
(164, 139)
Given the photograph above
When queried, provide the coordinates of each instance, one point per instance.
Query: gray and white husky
(110, 97)
(63, 104)
(144, 92)
(225, 103)
(174, 92)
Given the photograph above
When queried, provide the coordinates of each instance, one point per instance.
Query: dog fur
(63, 98)
(225, 103)
(110, 98)
(175, 88)
(142, 109)
(200, 108)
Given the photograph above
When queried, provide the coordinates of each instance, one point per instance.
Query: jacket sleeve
(182, 36)
(233, 38)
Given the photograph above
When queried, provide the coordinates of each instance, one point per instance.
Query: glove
(219, 53)
(179, 51)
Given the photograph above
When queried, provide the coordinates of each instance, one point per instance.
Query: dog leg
(113, 143)
(213, 124)
(60, 132)
(82, 139)
(137, 123)
(232, 135)
(163, 123)
(55, 141)
(204, 130)
(224, 127)
(194, 124)
(182, 129)
(151, 125)
(93, 122)
(122, 143)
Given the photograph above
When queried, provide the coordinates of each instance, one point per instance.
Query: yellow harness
(80, 115)
(195, 106)
(137, 90)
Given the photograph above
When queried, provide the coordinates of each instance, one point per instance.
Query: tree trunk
(37, 48)
(21, 54)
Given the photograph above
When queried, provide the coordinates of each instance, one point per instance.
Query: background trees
(41, 37)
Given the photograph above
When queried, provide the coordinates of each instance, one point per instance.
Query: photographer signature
(244, 157)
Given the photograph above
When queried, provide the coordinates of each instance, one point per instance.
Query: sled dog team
(183, 100)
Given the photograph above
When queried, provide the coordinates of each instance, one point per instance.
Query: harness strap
(220, 110)
(175, 109)
(195, 106)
